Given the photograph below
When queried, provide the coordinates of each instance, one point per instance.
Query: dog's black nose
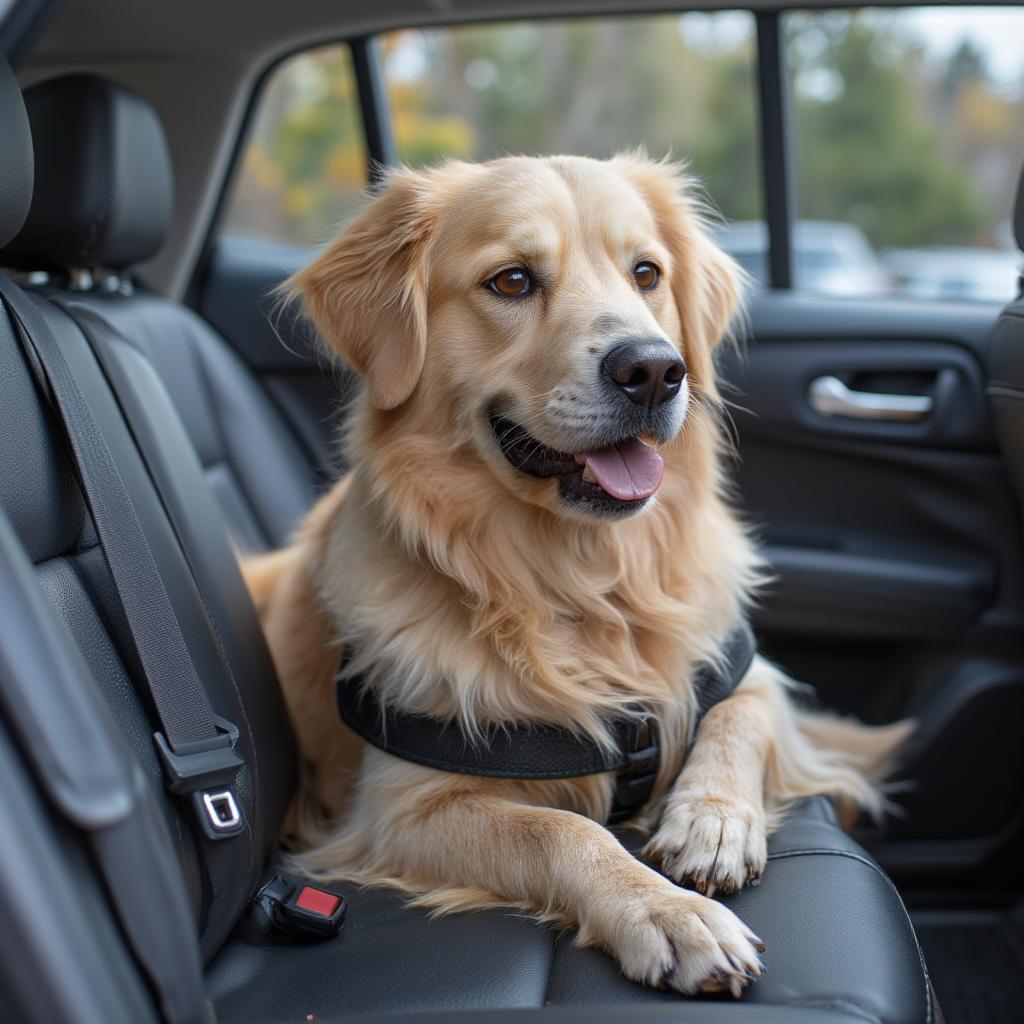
(647, 372)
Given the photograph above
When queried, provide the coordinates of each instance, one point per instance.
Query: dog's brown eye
(646, 276)
(513, 283)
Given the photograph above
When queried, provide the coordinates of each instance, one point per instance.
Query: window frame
(772, 101)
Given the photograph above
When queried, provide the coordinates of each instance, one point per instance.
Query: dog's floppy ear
(707, 284)
(367, 292)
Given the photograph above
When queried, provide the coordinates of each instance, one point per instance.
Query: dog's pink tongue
(629, 470)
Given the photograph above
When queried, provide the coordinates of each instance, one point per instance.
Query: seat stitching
(824, 852)
(556, 939)
(76, 552)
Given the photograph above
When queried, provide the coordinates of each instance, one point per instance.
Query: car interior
(162, 412)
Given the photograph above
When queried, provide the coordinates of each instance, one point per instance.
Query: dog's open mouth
(622, 475)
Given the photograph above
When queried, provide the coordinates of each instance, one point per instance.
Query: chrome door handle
(831, 397)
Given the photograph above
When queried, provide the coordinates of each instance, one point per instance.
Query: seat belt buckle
(205, 772)
(301, 910)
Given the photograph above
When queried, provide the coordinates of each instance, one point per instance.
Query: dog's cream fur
(470, 592)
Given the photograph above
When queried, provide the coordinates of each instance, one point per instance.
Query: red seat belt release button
(317, 901)
(300, 910)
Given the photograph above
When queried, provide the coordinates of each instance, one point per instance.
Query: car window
(909, 129)
(303, 169)
(675, 84)
(908, 125)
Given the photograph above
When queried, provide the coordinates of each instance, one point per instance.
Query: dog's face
(551, 316)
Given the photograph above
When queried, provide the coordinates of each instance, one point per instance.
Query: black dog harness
(540, 751)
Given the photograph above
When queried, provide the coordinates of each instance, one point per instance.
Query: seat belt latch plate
(205, 772)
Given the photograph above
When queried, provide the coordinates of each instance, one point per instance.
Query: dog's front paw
(682, 941)
(711, 844)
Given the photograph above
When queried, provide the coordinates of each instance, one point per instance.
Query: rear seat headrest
(104, 192)
(15, 156)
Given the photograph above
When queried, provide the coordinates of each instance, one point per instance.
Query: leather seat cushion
(838, 938)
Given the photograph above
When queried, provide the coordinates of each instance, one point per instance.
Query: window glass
(909, 129)
(304, 165)
(679, 84)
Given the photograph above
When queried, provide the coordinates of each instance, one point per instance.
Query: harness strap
(540, 751)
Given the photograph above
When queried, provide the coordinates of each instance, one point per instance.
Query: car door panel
(896, 551)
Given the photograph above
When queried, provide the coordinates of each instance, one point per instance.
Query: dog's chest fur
(510, 621)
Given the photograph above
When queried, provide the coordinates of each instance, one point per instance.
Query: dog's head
(551, 319)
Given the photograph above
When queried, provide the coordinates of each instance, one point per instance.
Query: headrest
(15, 156)
(103, 192)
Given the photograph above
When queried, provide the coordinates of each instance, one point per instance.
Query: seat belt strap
(196, 747)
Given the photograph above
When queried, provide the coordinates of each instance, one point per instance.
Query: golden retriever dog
(535, 530)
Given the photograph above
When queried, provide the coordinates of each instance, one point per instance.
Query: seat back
(40, 493)
(62, 956)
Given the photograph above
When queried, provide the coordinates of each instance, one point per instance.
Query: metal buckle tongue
(205, 771)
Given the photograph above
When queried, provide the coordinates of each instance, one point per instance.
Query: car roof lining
(199, 64)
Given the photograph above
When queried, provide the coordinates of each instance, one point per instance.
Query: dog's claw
(750, 970)
(695, 945)
(713, 982)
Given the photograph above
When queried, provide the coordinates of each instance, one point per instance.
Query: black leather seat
(841, 946)
(837, 935)
(41, 496)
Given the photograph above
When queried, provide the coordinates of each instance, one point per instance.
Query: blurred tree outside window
(303, 171)
(682, 85)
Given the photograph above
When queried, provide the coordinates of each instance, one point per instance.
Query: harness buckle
(205, 771)
(635, 780)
